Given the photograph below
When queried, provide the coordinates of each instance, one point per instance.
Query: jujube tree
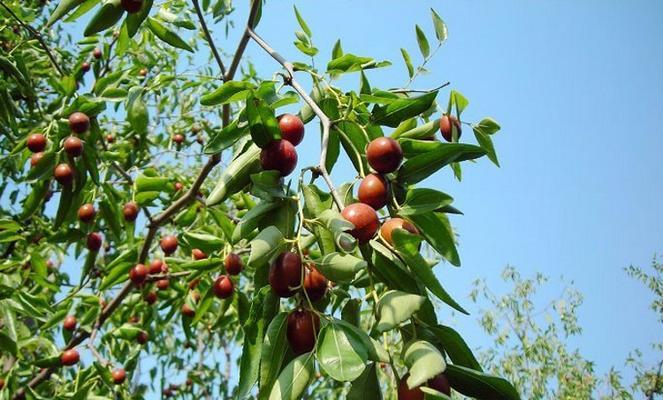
(182, 264)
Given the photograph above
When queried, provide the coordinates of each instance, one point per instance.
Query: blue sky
(578, 90)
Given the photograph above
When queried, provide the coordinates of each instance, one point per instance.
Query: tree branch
(37, 36)
(208, 36)
(324, 120)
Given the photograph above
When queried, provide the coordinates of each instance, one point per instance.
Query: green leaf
(420, 132)
(408, 62)
(152, 184)
(352, 63)
(262, 123)
(407, 246)
(487, 126)
(486, 143)
(137, 110)
(62, 9)
(440, 27)
(459, 101)
(479, 385)
(229, 92)
(302, 23)
(272, 354)
(236, 176)
(454, 345)
(204, 241)
(266, 245)
(420, 201)
(225, 138)
(424, 165)
(134, 21)
(401, 109)
(7, 345)
(341, 354)
(424, 47)
(339, 227)
(437, 231)
(424, 362)
(339, 267)
(110, 12)
(35, 198)
(395, 307)
(44, 166)
(168, 36)
(251, 219)
(337, 51)
(366, 386)
(294, 379)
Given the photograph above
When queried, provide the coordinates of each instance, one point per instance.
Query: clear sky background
(578, 90)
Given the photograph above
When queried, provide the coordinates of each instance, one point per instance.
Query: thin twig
(37, 36)
(405, 90)
(208, 36)
(324, 120)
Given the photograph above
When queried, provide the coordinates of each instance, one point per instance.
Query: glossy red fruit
(119, 375)
(85, 67)
(440, 383)
(86, 213)
(301, 330)
(73, 146)
(315, 284)
(96, 53)
(198, 254)
(223, 287)
(110, 138)
(36, 142)
(130, 211)
(94, 241)
(178, 138)
(142, 337)
(79, 122)
(285, 273)
(168, 244)
(178, 186)
(69, 323)
(233, 264)
(447, 122)
(69, 357)
(137, 274)
(157, 267)
(365, 220)
(187, 311)
(35, 158)
(405, 393)
(132, 6)
(150, 298)
(64, 174)
(292, 128)
(374, 191)
(396, 223)
(384, 155)
(279, 155)
(163, 284)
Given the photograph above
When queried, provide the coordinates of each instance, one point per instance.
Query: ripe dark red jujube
(365, 220)
(130, 211)
(187, 311)
(36, 142)
(150, 298)
(440, 383)
(292, 128)
(86, 213)
(73, 146)
(132, 6)
(69, 357)
(96, 53)
(85, 67)
(163, 284)
(198, 254)
(285, 273)
(94, 241)
(279, 155)
(157, 267)
(315, 284)
(69, 323)
(168, 244)
(394, 223)
(178, 138)
(142, 337)
(447, 122)
(79, 122)
(374, 191)
(35, 158)
(138, 273)
(64, 174)
(301, 330)
(223, 287)
(119, 375)
(384, 155)
(233, 264)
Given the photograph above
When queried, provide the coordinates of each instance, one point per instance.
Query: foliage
(164, 108)
(531, 344)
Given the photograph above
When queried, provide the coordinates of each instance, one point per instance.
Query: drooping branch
(324, 120)
(37, 36)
